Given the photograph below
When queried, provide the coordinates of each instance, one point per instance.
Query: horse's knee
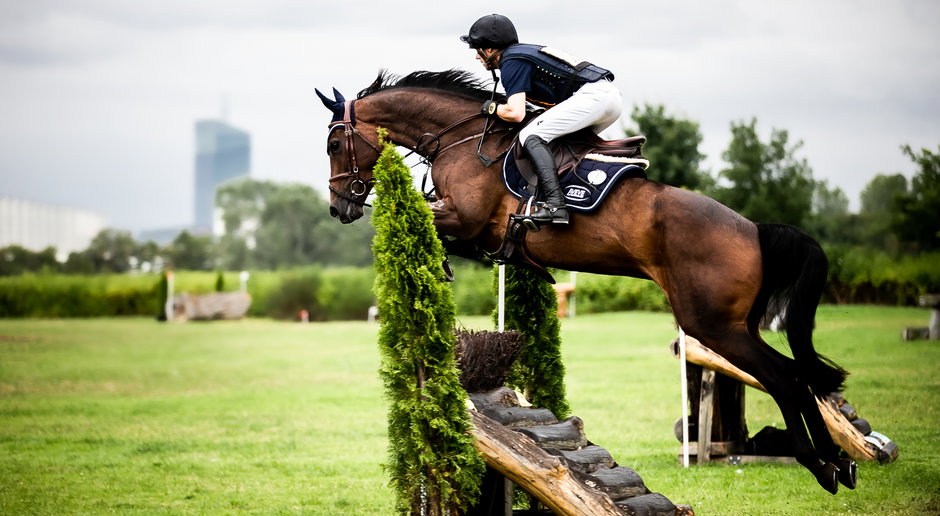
(445, 218)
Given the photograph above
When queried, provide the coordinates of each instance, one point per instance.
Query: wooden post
(705, 416)
(842, 431)
(495, 496)
(684, 377)
(563, 291)
(932, 301)
(168, 308)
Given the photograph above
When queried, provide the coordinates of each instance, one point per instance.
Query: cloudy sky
(98, 98)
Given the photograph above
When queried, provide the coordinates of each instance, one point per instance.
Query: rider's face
(483, 54)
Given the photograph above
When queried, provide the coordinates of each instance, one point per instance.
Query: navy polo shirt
(516, 75)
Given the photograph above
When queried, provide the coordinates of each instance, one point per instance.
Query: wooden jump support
(848, 431)
(931, 332)
(552, 460)
(555, 463)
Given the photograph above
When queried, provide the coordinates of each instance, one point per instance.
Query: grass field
(130, 416)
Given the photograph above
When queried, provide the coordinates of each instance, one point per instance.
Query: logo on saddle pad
(586, 177)
(576, 193)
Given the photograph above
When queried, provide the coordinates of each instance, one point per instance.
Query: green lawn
(131, 416)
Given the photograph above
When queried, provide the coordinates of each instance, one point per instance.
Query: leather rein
(359, 188)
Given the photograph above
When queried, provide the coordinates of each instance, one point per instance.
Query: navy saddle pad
(583, 186)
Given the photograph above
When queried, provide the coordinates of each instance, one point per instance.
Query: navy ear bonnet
(336, 105)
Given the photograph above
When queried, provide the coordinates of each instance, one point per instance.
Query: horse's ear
(337, 106)
(328, 102)
(339, 96)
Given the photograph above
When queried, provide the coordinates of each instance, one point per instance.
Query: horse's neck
(409, 115)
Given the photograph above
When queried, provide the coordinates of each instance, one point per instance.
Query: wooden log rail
(554, 462)
(538, 473)
(843, 432)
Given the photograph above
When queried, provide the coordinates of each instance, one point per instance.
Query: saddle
(588, 166)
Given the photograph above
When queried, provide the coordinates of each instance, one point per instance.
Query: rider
(577, 93)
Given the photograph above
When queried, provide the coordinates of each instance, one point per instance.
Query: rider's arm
(514, 108)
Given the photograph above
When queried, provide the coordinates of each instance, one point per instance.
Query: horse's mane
(456, 81)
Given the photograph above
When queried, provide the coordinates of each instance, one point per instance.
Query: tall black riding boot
(553, 210)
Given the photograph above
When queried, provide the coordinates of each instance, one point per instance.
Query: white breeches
(595, 105)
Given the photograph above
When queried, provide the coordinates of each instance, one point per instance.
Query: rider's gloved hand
(489, 108)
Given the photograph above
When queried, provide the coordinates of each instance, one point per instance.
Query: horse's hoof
(827, 476)
(848, 473)
(448, 271)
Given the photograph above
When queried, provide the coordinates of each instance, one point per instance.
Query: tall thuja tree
(434, 467)
(532, 309)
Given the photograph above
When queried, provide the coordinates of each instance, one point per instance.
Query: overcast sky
(98, 98)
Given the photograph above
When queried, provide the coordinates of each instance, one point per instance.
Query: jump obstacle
(931, 332)
(717, 405)
(552, 460)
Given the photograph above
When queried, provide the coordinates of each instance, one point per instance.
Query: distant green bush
(866, 276)
(326, 293)
(473, 288)
(53, 295)
(595, 293)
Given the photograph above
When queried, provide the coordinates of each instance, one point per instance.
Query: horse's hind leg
(774, 371)
(822, 441)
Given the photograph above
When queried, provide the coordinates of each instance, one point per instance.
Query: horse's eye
(333, 147)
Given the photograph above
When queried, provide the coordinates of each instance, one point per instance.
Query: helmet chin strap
(489, 62)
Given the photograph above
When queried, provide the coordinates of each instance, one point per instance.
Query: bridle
(359, 188)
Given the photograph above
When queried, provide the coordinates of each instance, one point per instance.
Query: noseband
(357, 187)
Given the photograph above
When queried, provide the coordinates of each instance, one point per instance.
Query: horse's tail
(795, 270)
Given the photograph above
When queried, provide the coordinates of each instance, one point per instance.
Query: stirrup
(545, 214)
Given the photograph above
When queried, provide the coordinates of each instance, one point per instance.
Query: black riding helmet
(491, 31)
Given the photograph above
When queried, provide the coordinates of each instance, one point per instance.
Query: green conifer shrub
(433, 464)
(532, 309)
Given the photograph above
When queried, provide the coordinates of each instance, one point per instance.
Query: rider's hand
(489, 108)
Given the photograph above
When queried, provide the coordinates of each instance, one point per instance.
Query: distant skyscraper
(223, 153)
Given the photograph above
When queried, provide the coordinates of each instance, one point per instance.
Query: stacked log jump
(210, 307)
(718, 415)
(555, 462)
(552, 460)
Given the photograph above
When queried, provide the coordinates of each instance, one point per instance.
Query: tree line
(270, 226)
(767, 181)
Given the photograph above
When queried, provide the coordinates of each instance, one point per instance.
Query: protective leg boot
(553, 210)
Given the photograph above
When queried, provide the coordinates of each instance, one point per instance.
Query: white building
(36, 226)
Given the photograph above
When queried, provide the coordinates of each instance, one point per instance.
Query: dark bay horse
(718, 270)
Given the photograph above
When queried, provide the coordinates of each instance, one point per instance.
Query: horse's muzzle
(347, 213)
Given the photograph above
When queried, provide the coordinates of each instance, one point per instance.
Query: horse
(718, 270)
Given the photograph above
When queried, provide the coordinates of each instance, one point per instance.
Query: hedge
(869, 276)
(595, 293)
(855, 276)
(328, 294)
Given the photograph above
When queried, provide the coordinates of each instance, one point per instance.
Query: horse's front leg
(448, 227)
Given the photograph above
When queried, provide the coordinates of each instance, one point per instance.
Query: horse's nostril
(334, 212)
